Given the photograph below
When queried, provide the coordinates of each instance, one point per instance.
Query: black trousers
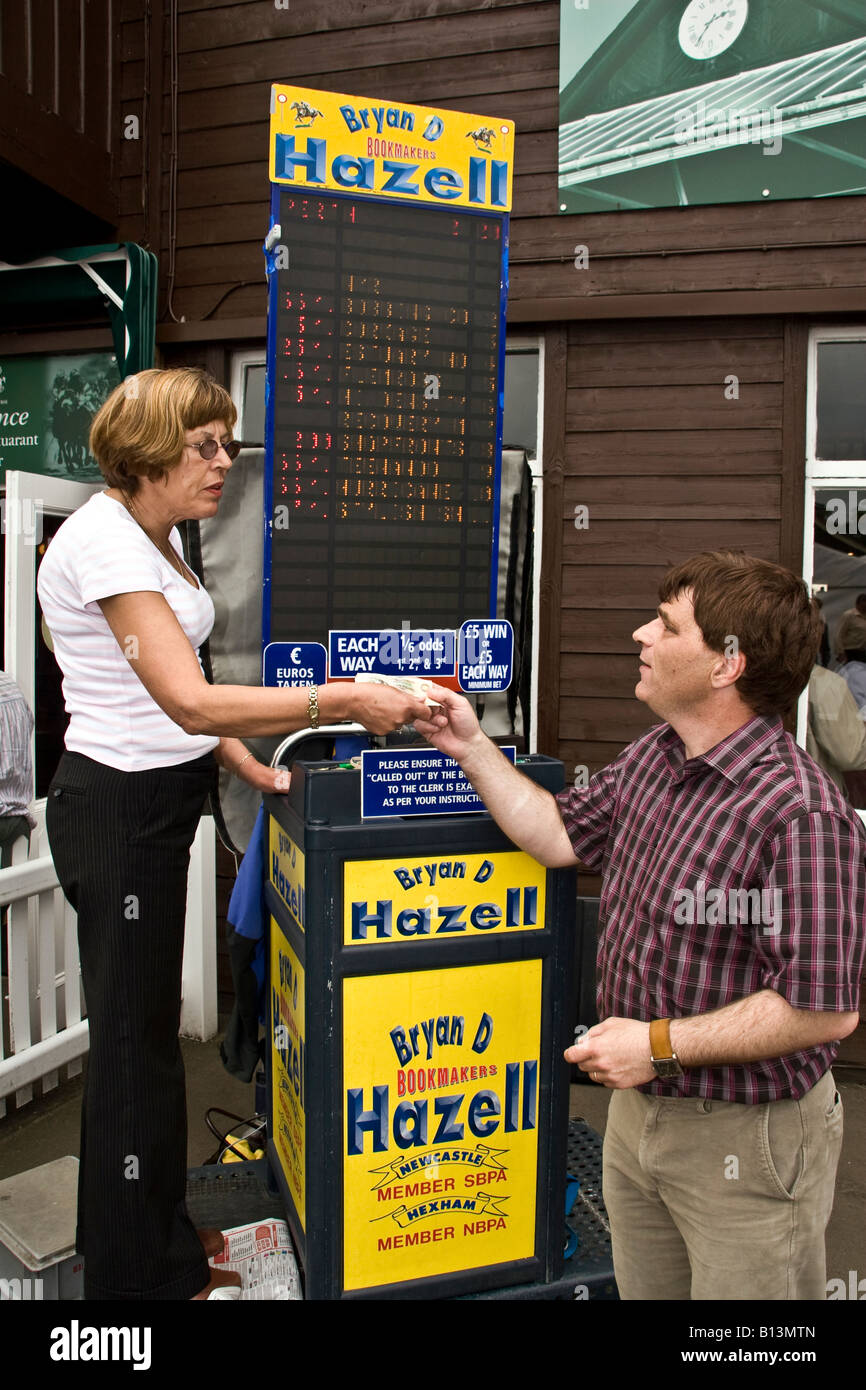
(120, 843)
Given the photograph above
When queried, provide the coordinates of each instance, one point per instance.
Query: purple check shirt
(740, 870)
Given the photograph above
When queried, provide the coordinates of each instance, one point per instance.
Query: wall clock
(708, 27)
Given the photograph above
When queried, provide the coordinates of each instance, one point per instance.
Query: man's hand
(615, 1053)
(528, 814)
(452, 727)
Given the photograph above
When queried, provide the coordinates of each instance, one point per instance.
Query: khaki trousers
(718, 1200)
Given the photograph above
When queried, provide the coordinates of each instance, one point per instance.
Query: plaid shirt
(672, 837)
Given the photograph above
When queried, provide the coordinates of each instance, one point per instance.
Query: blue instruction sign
(294, 663)
(485, 654)
(416, 782)
(409, 652)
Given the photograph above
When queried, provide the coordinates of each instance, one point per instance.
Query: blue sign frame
(272, 275)
(304, 663)
(444, 790)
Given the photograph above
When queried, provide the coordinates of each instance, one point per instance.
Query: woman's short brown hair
(139, 431)
(769, 611)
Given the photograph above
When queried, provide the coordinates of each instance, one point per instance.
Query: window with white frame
(248, 393)
(834, 551)
(520, 424)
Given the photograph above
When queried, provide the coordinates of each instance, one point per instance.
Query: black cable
(173, 158)
(257, 1124)
(241, 285)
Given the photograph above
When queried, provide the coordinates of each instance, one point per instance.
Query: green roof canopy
(122, 276)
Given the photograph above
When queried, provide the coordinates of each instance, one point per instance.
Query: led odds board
(387, 268)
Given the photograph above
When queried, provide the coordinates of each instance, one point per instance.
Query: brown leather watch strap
(660, 1039)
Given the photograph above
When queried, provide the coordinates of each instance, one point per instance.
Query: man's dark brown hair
(769, 611)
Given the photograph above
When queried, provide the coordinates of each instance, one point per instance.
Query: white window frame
(823, 473)
(248, 357)
(527, 342)
(827, 468)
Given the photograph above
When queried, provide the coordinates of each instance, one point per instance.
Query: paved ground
(48, 1128)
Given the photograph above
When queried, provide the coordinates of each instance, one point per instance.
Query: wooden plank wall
(493, 57)
(58, 97)
(729, 259)
(667, 466)
(639, 342)
(498, 57)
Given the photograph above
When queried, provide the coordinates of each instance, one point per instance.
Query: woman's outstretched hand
(384, 710)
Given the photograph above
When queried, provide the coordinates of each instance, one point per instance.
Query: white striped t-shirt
(98, 551)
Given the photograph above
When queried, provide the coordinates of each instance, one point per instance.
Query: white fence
(42, 1023)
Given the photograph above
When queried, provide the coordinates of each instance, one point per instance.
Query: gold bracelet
(313, 694)
(241, 763)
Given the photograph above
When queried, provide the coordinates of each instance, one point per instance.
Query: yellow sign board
(327, 141)
(287, 872)
(440, 1160)
(288, 1065)
(388, 900)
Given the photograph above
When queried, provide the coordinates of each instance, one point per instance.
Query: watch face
(666, 1067)
(708, 27)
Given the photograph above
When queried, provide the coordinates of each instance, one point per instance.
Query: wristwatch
(313, 705)
(664, 1059)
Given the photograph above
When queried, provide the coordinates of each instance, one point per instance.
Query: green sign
(46, 408)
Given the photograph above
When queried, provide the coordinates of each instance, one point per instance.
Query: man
(854, 673)
(851, 632)
(836, 736)
(16, 768)
(719, 1022)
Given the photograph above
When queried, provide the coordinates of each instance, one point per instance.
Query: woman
(145, 733)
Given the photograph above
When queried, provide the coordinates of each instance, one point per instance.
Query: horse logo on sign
(483, 138)
(305, 114)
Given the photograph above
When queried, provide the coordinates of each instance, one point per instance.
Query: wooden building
(639, 344)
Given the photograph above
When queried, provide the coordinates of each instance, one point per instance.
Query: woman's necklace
(168, 552)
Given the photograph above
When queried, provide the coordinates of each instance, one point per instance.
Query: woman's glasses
(209, 448)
